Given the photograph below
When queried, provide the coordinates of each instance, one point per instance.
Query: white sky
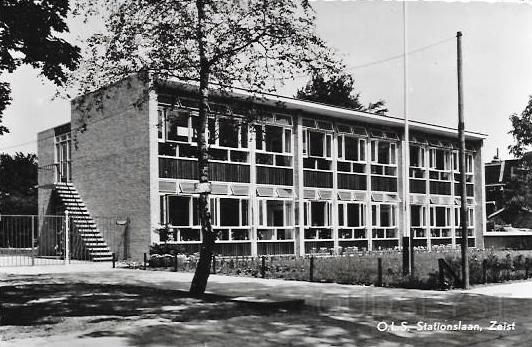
(497, 54)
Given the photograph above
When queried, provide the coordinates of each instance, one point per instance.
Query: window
(351, 148)
(177, 126)
(440, 216)
(470, 217)
(275, 213)
(317, 213)
(383, 215)
(228, 132)
(417, 216)
(417, 156)
(439, 159)
(469, 163)
(229, 212)
(275, 139)
(181, 210)
(351, 215)
(383, 152)
(318, 144)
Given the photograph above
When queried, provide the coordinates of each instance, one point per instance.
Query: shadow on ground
(86, 313)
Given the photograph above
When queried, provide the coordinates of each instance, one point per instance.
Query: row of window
(234, 212)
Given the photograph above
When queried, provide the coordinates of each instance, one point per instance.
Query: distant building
(307, 177)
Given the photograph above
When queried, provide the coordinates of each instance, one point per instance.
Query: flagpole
(407, 233)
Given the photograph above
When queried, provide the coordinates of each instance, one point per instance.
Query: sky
(368, 35)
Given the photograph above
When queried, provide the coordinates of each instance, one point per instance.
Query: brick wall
(111, 156)
(45, 175)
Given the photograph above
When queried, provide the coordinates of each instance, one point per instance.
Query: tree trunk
(201, 276)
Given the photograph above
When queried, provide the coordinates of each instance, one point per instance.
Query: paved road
(353, 315)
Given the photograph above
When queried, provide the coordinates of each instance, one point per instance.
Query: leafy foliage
(18, 180)
(244, 43)
(521, 130)
(28, 35)
(337, 89)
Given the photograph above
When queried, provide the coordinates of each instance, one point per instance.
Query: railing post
(440, 273)
(214, 264)
(485, 271)
(114, 259)
(311, 270)
(379, 272)
(32, 240)
(67, 238)
(175, 264)
(145, 260)
(263, 267)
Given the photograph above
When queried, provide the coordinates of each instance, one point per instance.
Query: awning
(240, 190)
(219, 189)
(346, 196)
(325, 194)
(285, 193)
(167, 187)
(265, 191)
(187, 187)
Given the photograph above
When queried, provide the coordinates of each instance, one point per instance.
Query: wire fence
(27, 240)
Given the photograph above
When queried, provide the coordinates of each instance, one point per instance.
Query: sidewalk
(351, 312)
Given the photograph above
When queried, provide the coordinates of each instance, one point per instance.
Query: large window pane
(229, 212)
(351, 149)
(316, 144)
(275, 214)
(274, 138)
(178, 210)
(228, 129)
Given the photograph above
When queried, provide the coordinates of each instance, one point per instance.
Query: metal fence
(47, 240)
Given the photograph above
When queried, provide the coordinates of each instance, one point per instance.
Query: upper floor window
(417, 216)
(417, 156)
(229, 212)
(273, 138)
(351, 148)
(317, 144)
(383, 152)
(439, 159)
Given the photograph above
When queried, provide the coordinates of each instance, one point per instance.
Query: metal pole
(407, 233)
(461, 138)
(67, 237)
(32, 240)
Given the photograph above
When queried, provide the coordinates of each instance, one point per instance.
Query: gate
(27, 240)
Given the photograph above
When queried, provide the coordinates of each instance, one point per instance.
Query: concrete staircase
(83, 225)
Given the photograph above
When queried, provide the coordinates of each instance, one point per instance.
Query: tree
(337, 89)
(29, 35)
(18, 181)
(217, 44)
(517, 193)
(521, 130)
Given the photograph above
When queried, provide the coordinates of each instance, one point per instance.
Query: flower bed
(362, 267)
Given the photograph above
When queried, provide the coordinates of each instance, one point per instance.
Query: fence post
(175, 262)
(440, 273)
(214, 264)
(114, 259)
(67, 237)
(32, 240)
(126, 240)
(379, 272)
(526, 268)
(263, 267)
(485, 271)
(311, 270)
(145, 260)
